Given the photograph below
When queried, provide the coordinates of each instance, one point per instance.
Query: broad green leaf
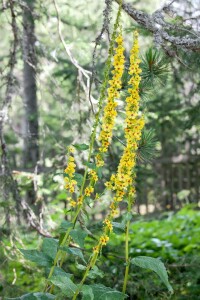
(112, 295)
(34, 296)
(58, 271)
(38, 257)
(73, 251)
(95, 272)
(127, 217)
(79, 266)
(102, 292)
(65, 225)
(155, 265)
(118, 227)
(79, 178)
(99, 172)
(81, 146)
(65, 284)
(49, 247)
(87, 293)
(78, 236)
(90, 165)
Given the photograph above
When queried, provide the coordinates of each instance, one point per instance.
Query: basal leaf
(38, 257)
(65, 284)
(155, 265)
(49, 247)
(102, 292)
(112, 295)
(34, 296)
(87, 293)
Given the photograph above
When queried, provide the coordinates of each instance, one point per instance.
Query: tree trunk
(31, 129)
(31, 148)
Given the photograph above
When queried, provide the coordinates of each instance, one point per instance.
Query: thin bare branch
(81, 71)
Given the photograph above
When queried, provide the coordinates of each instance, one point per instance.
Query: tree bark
(31, 136)
(31, 127)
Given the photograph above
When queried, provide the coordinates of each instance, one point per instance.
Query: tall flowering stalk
(133, 130)
(108, 123)
(110, 113)
(123, 182)
(70, 183)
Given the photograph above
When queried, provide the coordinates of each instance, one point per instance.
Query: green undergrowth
(172, 237)
(175, 239)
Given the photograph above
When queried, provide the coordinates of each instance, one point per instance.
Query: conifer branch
(167, 35)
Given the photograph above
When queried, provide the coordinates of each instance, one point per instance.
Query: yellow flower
(72, 203)
(89, 190)
(80, 200)
(70, 169)
(93, 175)
(109, 185)
(96, 249)
(71, 149)
(99, 160)
(114, 213)
(108, 224)
(103, 240)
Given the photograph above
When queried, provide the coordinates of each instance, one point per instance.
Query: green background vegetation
(168, 171)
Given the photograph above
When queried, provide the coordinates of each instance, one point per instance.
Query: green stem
(89, 267)
(127, 258)
(127, 248)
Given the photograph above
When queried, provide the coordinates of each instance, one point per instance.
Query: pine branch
(146, 150)
(166, 35)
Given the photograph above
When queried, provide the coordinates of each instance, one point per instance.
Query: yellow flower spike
(122, 181)
(110, 113)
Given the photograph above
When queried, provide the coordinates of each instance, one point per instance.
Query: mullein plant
(116, 60)
(121, 184)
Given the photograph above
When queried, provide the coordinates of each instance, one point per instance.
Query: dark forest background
(48, 94)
